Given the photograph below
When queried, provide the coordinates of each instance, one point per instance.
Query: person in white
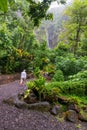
(23, 77)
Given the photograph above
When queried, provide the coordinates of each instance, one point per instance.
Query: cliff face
(50, 30)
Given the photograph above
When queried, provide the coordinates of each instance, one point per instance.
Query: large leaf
(4, 5)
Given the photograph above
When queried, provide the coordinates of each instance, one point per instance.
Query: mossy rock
(83, 116)
(71, 116)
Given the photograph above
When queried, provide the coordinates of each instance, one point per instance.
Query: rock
(21, 104)
(31, 98)
(72, 106)
(56, 110)
(83, 116)
(72, 116)
(15, 101)
(62, 100)
(9, 101)
(40, 106)
(20, 95)
(84, 108)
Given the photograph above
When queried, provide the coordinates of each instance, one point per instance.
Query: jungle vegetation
(65, 64)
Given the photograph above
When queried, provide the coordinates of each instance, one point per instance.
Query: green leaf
(11, 2)
(4, 5)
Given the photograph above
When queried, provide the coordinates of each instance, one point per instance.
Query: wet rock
(9, 101)
(21, 104)
(20, 95)
(72, 116)
(72, 106)
(40, 106)
(84, 108)
(62, 100)
(83, 116)
(56, 110)
(15, 101)
(31, 98)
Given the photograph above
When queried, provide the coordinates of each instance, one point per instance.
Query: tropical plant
(69, 64)
(58, 76)
(75, 27)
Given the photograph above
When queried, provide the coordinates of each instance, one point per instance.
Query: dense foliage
(65, 66)
(77, 85)
(75, 29)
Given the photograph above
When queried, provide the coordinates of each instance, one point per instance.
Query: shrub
(51, 91)
(71, 87)
(58, 76)
(38, 86)
(37, 72)
(70, 64)
(43, 90)
(79, 76)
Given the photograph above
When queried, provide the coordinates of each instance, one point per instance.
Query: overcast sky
(55, 4)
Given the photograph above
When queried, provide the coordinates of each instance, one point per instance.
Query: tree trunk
(77, 39)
